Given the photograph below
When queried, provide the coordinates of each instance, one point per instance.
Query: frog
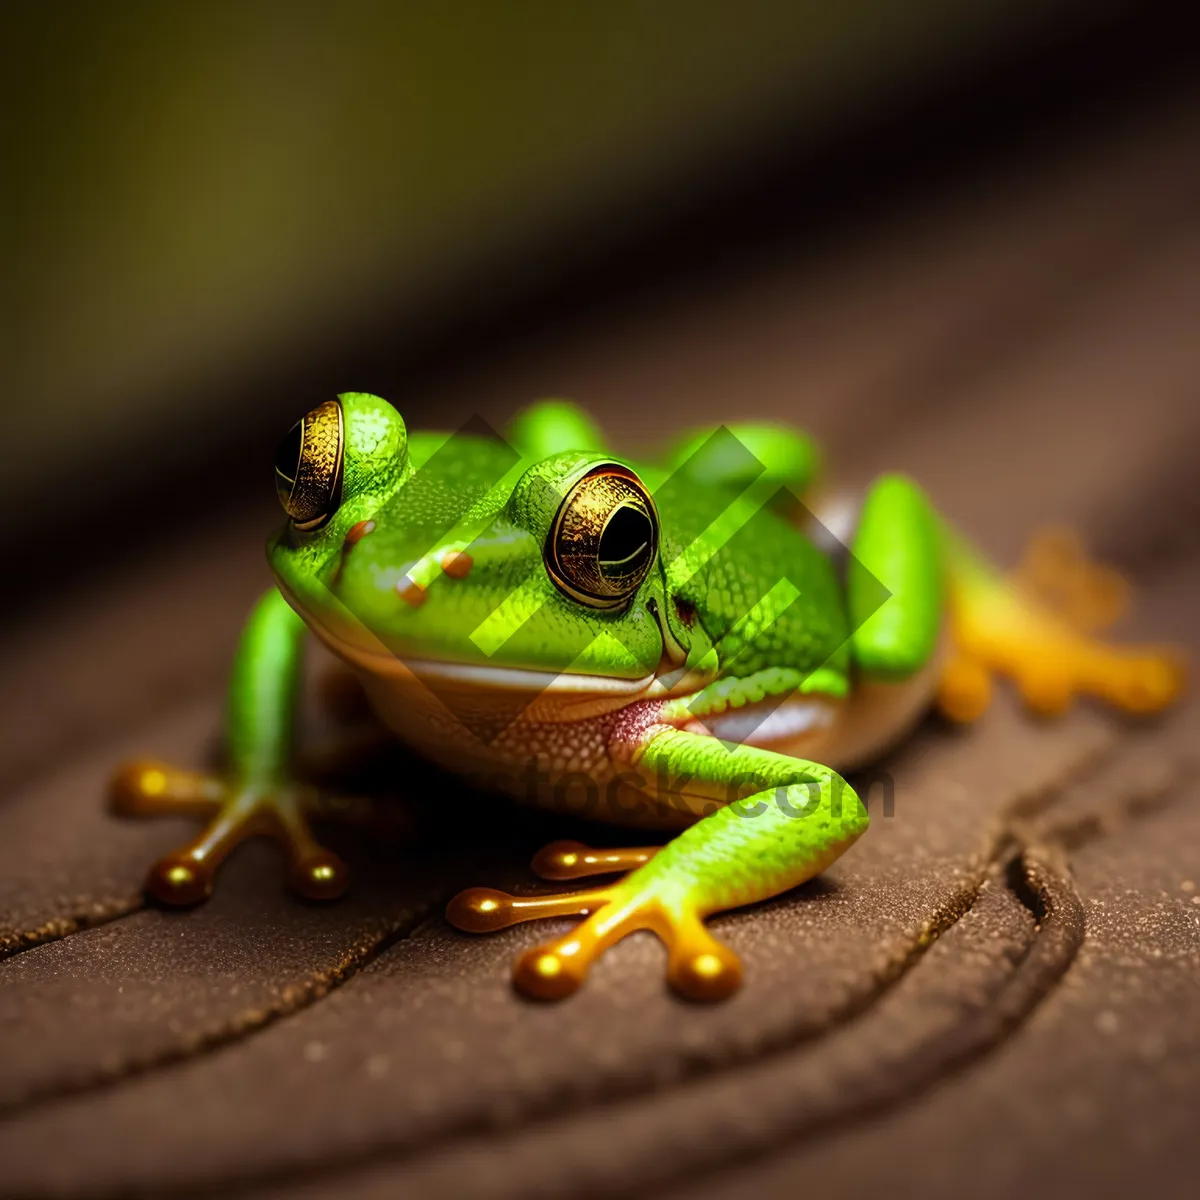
(685, 640)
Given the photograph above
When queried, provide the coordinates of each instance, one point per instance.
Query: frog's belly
(510, 744)
(504, 734)
(558, 753)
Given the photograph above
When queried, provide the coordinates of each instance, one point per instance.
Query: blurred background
(214, 215)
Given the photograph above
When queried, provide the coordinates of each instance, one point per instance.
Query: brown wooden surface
(996, 991)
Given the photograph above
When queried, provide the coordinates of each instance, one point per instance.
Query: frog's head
(460, 558)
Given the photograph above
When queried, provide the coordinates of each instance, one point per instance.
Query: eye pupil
(624, 543)
(287, 457)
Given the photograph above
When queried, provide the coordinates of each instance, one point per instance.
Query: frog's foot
(234, 813)
(698, 966)
(1001, 626)
(1057, 571)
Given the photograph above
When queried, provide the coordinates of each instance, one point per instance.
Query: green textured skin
(377, 462)
(797, 818)
(754, 605)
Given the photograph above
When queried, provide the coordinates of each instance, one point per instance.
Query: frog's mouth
(554, 695)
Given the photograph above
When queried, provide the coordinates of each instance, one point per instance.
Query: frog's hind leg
(799, 818)
(553, 426)
(1038, 628)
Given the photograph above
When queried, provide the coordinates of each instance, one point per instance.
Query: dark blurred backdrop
(216, 214)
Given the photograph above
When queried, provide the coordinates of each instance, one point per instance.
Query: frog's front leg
(779, 822)
(256, 794)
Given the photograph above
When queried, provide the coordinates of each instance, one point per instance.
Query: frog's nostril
(457, 564)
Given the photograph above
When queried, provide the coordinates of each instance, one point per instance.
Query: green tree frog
(682, 641)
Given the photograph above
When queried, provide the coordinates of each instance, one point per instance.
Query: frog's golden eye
(308, 467)
(604, 537)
